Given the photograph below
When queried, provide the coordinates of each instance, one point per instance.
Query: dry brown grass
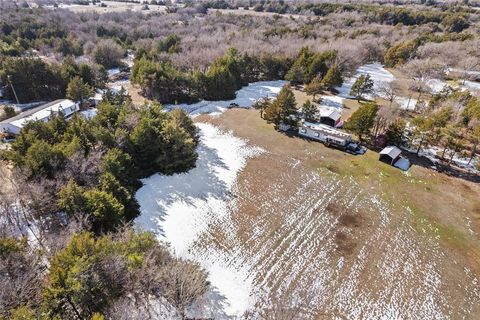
(297, 220)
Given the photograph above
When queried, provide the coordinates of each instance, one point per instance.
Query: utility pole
(13, 89)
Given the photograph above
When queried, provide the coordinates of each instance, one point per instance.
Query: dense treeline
(403, 51)
(36, 80)
(75, 183)
(95, 165)
(18, 35)
(203, 40)
(162, 81)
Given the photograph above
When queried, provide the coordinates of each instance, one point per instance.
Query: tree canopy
(362, 120)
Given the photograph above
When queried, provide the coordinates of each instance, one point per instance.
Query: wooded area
(67, 246)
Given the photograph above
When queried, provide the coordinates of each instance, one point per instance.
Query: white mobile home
(325, 134)
(41, 113)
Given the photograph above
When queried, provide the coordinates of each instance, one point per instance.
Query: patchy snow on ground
(406, 103)
(332, 102)
(116, 86)
(112, 72)
(436, 85)
(434, 153)
(180, 207)
(22, 106)
(245, 98)
(377, 72)
(402, 164)
(472, 73)
(471, 85)
(89, 113)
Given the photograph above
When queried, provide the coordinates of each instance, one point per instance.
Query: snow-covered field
(380, 77)
(377, 72)
(319, 240)
(246, 97)
(180, 208)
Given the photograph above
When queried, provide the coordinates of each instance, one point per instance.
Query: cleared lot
(349, 235)
(281, 221)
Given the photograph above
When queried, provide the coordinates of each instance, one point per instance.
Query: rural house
(41, 113)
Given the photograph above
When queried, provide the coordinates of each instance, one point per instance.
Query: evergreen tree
(78, 284)
(318, 65)
(309, 65)
(283, 106)
(295, 75)
(363, 85)
(42, 160)
(309, 110)
(400, 53)
(298, 71)
(9, 111)
(362, 120)
(474, 139)
(32, 79)
(107, 212)
(78, 91)
(315, 87)
(261, 105)
(71, 199)
(333, 78)
(395, 132)
(452, 138)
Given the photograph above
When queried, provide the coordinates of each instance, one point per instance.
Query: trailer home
(325, 134)
(41, 113)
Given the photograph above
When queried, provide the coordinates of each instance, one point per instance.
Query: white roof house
(41, 113)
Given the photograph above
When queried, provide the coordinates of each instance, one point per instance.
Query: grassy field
(351, 235)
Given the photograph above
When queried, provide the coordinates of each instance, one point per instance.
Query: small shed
(390, 155)
(330, 117)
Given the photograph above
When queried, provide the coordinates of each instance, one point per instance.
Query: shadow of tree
(160, 191)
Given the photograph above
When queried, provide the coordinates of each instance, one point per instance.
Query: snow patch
(89, 113)
(377, 73)
(245, 98)
(181, 207)
(113, 71)
(406, 103)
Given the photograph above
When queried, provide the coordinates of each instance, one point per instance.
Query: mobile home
(41, 113)
(325, 134)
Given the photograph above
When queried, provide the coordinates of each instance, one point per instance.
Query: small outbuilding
(390, 155)
(330, 117)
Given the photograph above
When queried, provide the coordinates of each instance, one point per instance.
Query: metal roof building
(41, 113)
